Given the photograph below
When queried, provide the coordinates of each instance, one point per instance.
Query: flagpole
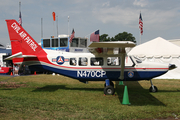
(140, 39)
(20, 18)
(41, 28)
(19, 6)
(53, 28)
(68, 25)
(57, 24)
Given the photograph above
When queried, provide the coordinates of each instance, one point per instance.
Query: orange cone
(11, 74)
(34, 72)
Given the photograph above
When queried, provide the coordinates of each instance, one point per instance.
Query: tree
(124, 37)
(119, 37)
(103, 37)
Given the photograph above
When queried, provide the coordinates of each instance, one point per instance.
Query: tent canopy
(160, 50)
(157, 47)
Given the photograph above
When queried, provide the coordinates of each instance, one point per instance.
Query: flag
(20, 19)
(94, 37)
(54, 16)
(141, 24)
(72, 36)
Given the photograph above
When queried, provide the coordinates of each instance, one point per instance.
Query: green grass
(59, 97)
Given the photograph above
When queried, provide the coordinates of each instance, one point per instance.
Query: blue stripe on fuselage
(100, 75)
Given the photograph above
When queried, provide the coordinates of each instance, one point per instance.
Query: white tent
(160, 50)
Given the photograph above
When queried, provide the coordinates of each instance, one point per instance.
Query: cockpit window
(138, 60)
(98, 61)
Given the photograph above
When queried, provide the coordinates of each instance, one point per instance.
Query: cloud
(153, 17)
(141, 3)
(106, 4)
(116, 15)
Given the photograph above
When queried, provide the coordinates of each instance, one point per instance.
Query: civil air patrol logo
(130, 74)
(60, 60)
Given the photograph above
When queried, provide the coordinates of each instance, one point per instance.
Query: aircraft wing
(106, 49)
(19, 55)
(112, 44)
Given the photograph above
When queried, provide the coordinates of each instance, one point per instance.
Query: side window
(113, 61)
(83, 61)
(72, 61)
(97, 61)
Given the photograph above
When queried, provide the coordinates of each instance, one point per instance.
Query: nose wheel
(152, 88)
(109, 90)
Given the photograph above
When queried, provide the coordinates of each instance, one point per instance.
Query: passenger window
(83, 61)
(97, 61)
(73, 61)
(113, 61)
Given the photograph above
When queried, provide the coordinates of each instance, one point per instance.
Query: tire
(109, 90)
(151, 89)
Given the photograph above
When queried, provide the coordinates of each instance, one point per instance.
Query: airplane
(102, 63)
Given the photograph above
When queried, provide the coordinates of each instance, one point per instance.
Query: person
(16, 69)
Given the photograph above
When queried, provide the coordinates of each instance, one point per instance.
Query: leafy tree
(124, 37)
(119, 37)
(103, 37)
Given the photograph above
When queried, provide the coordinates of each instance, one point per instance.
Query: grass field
(58, 97)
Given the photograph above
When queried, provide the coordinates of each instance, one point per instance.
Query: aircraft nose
(172, 66)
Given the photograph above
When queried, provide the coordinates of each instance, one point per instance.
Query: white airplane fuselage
(61, 63)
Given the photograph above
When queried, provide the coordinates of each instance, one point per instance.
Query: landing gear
(153, 88)
(109, 88)
(111, 84)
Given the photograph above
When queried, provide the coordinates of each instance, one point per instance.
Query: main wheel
(153, 90)
(109, 90)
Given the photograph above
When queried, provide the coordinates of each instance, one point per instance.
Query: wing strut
(121, 77)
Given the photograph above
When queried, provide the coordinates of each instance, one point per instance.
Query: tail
(22, 42)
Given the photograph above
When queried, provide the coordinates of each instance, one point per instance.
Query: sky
(161, 18)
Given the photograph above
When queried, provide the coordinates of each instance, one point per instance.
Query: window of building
(97, 61)
(54, 42)
(75, 42)
(73, 61)
(46, 43)
(83, 42)
(83, 61)
(63, 42)
(113, 61)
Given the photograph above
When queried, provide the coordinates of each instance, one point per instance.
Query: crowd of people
(20, 70)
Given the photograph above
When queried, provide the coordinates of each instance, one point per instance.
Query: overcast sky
(160, 17)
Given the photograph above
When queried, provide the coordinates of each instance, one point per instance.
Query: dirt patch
(12, 84)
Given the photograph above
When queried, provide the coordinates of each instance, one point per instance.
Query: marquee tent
(160, 50)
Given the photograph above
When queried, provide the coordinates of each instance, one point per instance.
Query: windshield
(137, 60)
